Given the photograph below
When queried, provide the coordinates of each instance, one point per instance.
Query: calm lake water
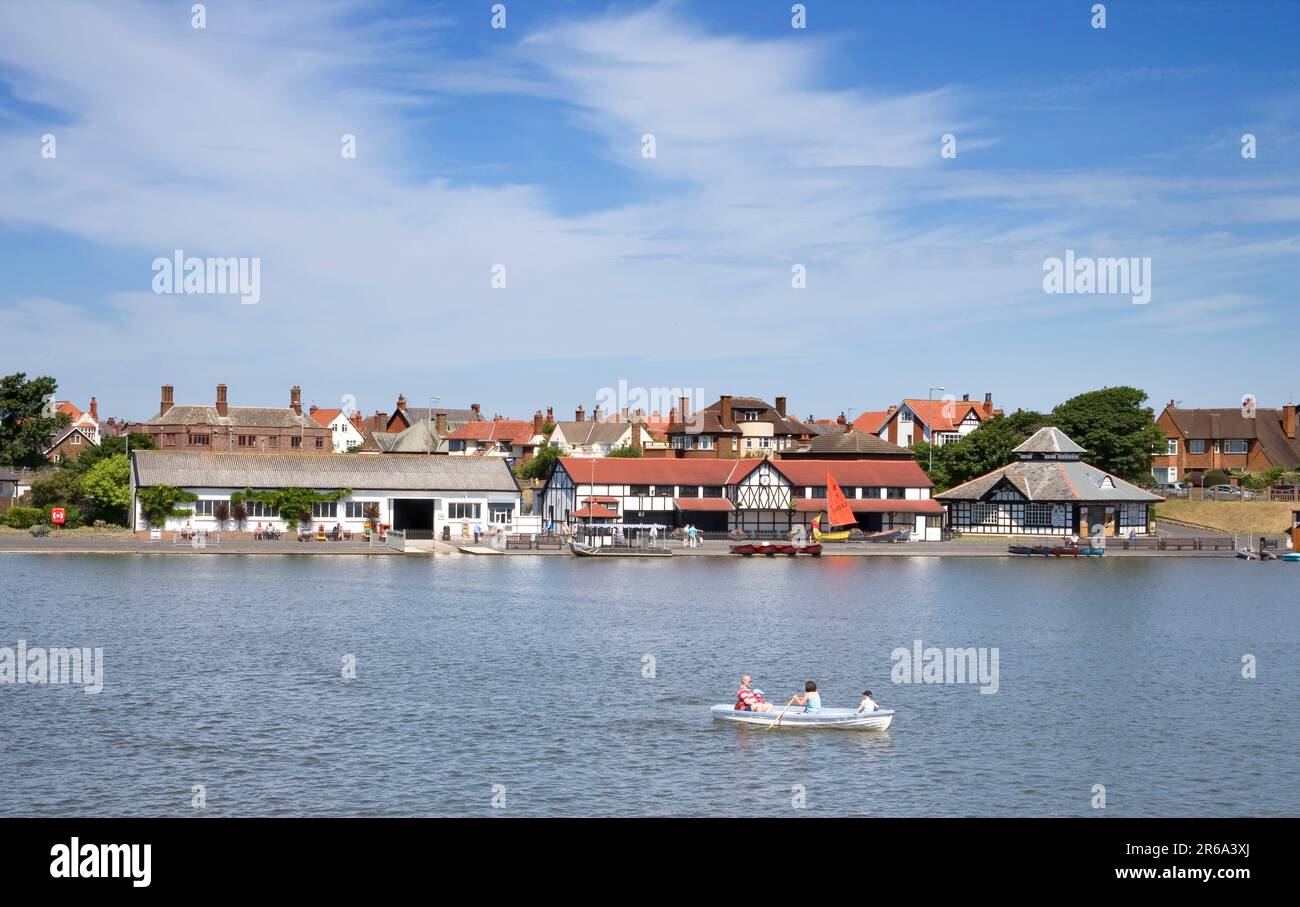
(527, 672)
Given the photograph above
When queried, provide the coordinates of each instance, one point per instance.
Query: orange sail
(837, 508)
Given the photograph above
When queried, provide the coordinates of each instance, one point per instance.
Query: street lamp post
(929, 423)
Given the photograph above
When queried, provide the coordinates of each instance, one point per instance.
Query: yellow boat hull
(820, 536)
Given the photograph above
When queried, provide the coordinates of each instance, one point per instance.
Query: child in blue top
(811, 700)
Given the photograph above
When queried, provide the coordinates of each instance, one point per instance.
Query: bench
(1138, 543)
(517, 542)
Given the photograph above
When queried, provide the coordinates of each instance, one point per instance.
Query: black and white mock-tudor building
(755, 494)
(1048, 490)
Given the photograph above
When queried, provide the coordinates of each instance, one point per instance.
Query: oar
(782, 715)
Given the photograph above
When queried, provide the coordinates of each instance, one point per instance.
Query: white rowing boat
(878, 720)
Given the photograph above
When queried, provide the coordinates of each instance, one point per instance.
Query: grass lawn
(1271, 517)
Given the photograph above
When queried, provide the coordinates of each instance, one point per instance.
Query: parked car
(1235, 492)
(1170, 489)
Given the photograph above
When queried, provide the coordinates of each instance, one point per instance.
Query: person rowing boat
(749, 700)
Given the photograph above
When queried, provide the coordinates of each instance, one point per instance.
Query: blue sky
(774, 147)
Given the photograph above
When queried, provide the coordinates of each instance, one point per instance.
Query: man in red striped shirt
(748, 700)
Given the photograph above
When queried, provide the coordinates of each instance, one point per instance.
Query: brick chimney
(780, 406)
(635, 438)
(358, 420)
(724, 411)
(580, 415)
(537, 422)
(842, 421)
(166, 399)
(965, 398)
(1288, 420)
(295, 399)
(401, 402)
(222, 407)
(379, 421)
(311, 410)
(550, 415)
(94, 409)
(475, 408)
(682, 412)
(988, 404)
(440, 424)
(596, 414)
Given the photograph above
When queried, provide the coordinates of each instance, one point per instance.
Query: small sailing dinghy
(822, 718)
(839, 515)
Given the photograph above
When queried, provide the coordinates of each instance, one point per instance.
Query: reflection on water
(527, 672)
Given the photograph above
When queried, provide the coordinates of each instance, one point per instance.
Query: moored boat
(822, 718)
(1029, 549)
(766, 549)
(1292, 557)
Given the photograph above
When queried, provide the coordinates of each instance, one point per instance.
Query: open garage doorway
(414, 516)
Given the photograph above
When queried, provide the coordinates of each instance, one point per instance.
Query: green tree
(987, 448)
(63, 487)
(25, 421)
(1118, 432)
(107, 487)
(541, 465)
(626, 450)
(157, 502)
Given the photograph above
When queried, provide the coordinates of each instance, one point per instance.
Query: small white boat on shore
(878, 720)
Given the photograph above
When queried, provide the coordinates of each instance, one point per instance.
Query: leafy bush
(40, 530)
(1215, 477)
(22, 517)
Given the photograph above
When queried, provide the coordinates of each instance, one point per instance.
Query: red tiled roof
(600, 499)
(325, 416)
(596, 512)
(873, 505)
(65, 406)
(871, 422)
(897, 473)
(943, 419)
(516, 431)
(710, 504)
(657, 470)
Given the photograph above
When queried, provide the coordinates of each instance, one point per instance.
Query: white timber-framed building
(419, 495)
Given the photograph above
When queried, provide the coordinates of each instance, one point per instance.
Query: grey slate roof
(236, 416)
(419, 438)
(1052, 480)
(191, 469)
(854, 442)
(589, 431)
(1049, 440)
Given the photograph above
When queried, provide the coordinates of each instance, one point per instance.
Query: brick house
(735, 427)
(1199, 440)
(250, 429)
(916, 421)
(81, 433)
(511, 439)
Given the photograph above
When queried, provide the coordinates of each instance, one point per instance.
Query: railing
(1290, 495)
(396, 539)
